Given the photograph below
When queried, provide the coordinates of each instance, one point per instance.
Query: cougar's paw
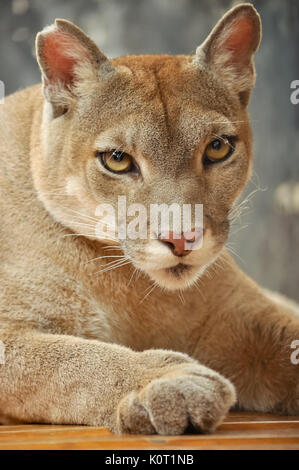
(188, 394)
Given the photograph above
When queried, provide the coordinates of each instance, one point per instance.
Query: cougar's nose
(181, 244)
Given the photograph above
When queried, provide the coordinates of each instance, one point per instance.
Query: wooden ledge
(238, 431)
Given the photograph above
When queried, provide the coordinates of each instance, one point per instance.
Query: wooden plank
(238, 431)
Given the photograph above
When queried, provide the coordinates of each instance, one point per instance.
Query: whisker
(114, 265)
(131, 278)
(108, 256)
(123, 258)
(224, 140)
(152, 288)
(200, 292)
(228, 122)
(239, 209)
(231, 250)
(82, 215)
(81, 224)
(239, 229)
(84, 235)
(180, 294)
(75, 235)
(111, 268)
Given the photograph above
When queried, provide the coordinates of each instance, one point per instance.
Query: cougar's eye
(219, 149)
(116, 161)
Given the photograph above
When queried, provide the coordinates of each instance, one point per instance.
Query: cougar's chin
(176, 277)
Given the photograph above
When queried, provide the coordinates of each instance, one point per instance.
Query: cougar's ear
(66, 57)
(228, 50)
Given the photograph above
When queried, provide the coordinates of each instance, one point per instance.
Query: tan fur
(89, 348)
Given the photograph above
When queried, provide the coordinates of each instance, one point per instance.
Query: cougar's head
(148, 152)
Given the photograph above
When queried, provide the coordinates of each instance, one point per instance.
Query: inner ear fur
(229, 48)
(67, 55)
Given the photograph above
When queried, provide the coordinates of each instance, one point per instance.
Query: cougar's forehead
(164, 106)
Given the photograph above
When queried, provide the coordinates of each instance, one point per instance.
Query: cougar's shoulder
(17, 116)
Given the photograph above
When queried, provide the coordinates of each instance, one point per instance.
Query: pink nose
(181, 244)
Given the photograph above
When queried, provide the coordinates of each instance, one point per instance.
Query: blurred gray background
(266, 237)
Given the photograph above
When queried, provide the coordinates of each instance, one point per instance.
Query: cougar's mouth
(179, 276)
(178, 270)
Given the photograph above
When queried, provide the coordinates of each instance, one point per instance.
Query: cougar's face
(149, 153)
(158, 141)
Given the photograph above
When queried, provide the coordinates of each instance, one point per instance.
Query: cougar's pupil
(117, 156)
(216, 144)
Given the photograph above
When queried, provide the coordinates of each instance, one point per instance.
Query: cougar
(141, 335)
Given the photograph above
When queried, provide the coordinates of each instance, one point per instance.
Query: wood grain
(238, 431)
